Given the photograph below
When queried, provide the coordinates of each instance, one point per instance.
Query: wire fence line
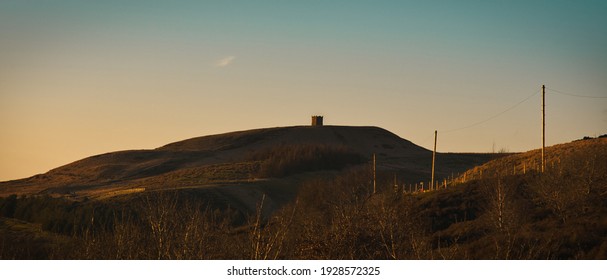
(475, 174)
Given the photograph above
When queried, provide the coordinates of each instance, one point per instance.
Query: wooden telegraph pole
(433, 160)
(543, 126)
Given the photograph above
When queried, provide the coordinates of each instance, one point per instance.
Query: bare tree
(268, 237)
(160, 211)
(503, 214)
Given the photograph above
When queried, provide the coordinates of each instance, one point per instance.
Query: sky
(80, 78)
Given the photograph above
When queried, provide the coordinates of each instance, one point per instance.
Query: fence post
(374, 178)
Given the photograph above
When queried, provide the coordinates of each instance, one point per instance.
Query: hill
(327, 212)
(234, 167)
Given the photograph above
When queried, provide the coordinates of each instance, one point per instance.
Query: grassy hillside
(561, 157)
(245, 165)
(558, 214)
(233, 157)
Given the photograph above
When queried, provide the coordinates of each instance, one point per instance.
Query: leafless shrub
(268, 238)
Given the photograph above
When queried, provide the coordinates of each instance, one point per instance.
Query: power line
(575, 95)
(494, 116)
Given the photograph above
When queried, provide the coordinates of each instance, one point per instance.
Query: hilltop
(225, 164)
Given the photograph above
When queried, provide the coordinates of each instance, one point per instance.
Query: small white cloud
(225, 61)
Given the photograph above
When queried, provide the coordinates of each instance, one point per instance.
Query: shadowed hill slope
(233, 159)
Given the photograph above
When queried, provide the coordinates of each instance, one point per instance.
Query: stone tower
(316, 120)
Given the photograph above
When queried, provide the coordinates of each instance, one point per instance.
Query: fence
(479, 173)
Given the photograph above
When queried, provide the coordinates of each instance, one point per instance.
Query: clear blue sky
(79, 78)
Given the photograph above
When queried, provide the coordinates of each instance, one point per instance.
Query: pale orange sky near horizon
(79, 79)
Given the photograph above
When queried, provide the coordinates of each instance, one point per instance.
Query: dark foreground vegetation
(560, 214)
(287, 160)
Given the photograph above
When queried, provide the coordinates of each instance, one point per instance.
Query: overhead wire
(574, 95)
(514, 106)
(494, 116)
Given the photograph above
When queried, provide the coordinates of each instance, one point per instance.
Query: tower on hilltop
(316, 120)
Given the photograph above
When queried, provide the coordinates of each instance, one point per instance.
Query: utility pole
(543, 126)
(433, 160)
(374, 177)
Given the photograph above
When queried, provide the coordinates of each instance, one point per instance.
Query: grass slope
(558, 214)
